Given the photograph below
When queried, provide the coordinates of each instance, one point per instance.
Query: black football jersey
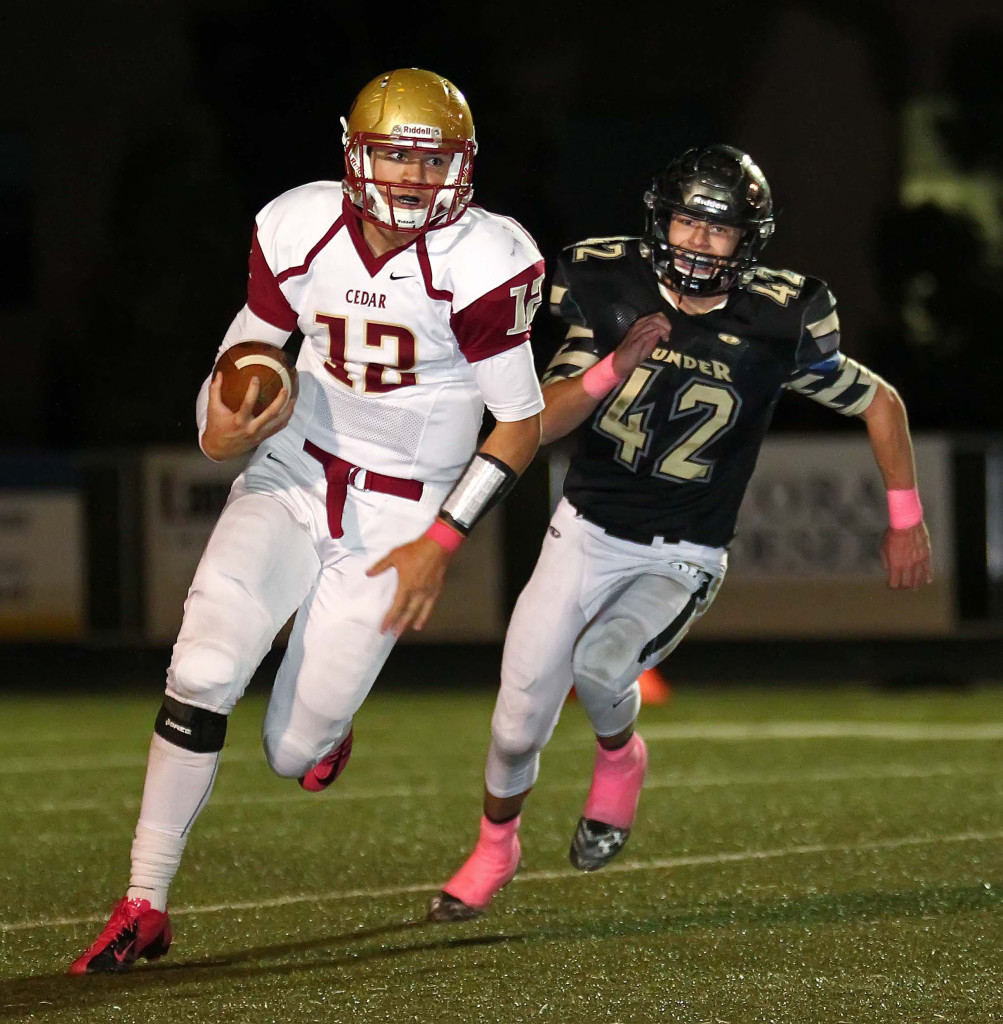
(670, 451)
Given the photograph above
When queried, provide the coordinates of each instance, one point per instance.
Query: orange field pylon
(654, 688)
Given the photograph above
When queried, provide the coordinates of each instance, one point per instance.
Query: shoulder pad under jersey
(604, 284)
(794, 308)
(291, 224)
(478, 253)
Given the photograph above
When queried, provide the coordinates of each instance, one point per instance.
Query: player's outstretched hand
(421, 568)
(639, 342)
(905, 554)
(229, 434)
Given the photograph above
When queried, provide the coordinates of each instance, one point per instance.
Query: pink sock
(492, 865)
(616, 783)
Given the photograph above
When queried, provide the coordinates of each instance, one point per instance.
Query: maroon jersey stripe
(312, 254)
(488, 325)
(426, 273)
(264, 297)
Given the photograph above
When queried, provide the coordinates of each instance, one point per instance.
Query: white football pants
(270, 554)
(597, 612)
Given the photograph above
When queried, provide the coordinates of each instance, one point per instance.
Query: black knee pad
(191, 728)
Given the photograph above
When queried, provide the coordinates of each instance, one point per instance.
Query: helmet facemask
(720, 185)
(374, 197)
(690, 272)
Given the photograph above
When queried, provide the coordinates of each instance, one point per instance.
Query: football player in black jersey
(678, 347)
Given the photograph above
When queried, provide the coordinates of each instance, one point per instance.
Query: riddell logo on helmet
(417, 131)
(711, 204)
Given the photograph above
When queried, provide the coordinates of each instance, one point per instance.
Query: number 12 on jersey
(392, 341)
(701, 413)
(525, 305)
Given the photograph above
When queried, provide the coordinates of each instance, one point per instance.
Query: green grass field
(800, 856)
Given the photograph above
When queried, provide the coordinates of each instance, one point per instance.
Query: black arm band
(484, 483)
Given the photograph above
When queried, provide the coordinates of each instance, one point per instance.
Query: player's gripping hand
(229, 434)
(905, 554)
(421, 569)
(644, 335)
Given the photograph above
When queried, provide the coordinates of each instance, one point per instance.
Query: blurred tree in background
(940, 262)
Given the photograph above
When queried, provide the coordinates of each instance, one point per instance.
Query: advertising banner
(42, 564)
(471, 606)
(183, 494)
(806, 559)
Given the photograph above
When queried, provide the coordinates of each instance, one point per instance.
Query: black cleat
(448, 908)
(595, 844)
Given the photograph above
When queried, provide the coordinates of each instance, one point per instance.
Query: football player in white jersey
(678, 348)
(415, 309)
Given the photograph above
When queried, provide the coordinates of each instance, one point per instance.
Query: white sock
(178, 784)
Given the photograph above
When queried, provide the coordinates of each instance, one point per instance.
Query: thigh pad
(650, 610)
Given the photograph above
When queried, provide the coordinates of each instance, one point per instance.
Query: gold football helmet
(409, 109)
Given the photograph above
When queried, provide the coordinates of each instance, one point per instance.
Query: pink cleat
(134, 930)
(611, 806)
(329, 767)
(491, 866)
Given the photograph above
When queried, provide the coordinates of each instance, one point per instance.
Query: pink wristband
(445, 536)
(599, 380)
(904, 509)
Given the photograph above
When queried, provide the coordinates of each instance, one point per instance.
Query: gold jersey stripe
(568, 364)
(552, 377)
(571, 357)
(602, 238)
(863, 402)
(851, 375)
(828, 324)
(847, 378)
(803, 383)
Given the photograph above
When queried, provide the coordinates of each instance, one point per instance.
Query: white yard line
(38, 765)
(899, 731)
(291, 796)
(721, 732)
(619, 868)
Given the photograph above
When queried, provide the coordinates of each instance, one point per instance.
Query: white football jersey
(388, 366)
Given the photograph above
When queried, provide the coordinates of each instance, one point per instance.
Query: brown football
(247, 359)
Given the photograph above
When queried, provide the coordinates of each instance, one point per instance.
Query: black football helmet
(715, 183)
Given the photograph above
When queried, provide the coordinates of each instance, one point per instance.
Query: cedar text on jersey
(359, 297)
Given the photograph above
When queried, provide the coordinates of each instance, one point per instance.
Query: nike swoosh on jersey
(399, 277)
